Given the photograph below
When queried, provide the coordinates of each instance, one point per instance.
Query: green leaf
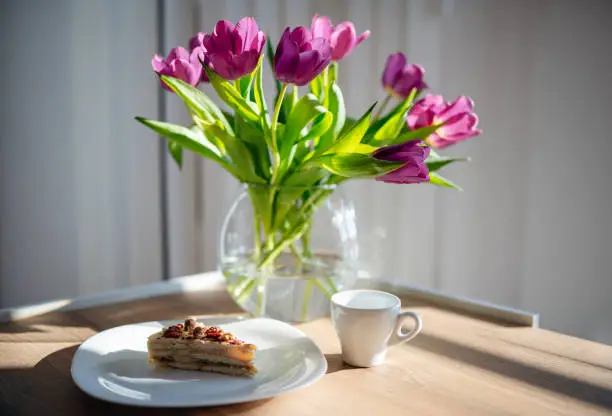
(317, 86)
(260, 198)
(289, 101)
(438, 162)
(351, 140)
(307, 176)
(244, 85)
(436, 179)
(270, 52)
(197, 102)
(241, 155)
(356, 165)
(348, 124)
(229, 117)
(231, 96)
(320, 125)
(304, 112)
(176, 151)
(185, 137)
(260, 100)
(419, 134)
(333, 72)
(337, 109)
(256, 144)
(191, 139)
(394, 123)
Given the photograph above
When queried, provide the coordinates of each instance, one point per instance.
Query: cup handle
(398, 334)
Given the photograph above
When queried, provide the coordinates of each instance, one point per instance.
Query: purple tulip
(196, 47)
(178, 64)
(233, 51)
(457, 120)
(300, 57)
(342, 38)
(412, 154)
(400, 77)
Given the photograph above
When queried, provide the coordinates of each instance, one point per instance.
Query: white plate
(112, 366)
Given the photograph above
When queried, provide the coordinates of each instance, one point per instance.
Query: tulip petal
(301, 36)
(419, 119)
(196, 41)
(177, 53)
(411, 172)
(410, 77)
(309, 60)
(258, 42)
(393, 68)
(245, 33)
(182, 69)
(459, 127)
(223, 37)
(462, 104)
(317, 44)
(413, 154)
(321, 27)
(158, 64)
(343, 40)
(223, 65)
(432, 101)
(286, 60)
(244, 63)
(363, 37)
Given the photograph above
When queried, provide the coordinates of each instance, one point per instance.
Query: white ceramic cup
(367, 323)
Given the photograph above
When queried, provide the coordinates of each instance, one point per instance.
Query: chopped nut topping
(190, 324)
(193, 330)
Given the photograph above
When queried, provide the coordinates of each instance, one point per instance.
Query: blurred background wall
(89, 201)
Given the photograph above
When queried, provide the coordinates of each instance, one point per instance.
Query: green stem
(332, 285)
(244, 290)
(322, 288)
(382, 107)
(306, 299)
(296, 253)
(273, 128)
(313, 201)
(306, 242)
(261, 302)
(325, 87)
(257, 231)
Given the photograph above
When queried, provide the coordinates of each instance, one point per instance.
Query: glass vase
(286, 250)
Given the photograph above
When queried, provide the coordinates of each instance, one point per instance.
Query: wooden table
(459, 365)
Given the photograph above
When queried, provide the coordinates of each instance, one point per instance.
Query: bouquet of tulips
(305, 143)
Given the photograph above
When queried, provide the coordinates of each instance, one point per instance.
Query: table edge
(214, 281)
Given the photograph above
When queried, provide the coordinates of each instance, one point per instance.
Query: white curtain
(79, 178)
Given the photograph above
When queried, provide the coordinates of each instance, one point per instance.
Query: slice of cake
(195, 346)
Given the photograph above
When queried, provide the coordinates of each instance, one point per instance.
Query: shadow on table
(335, 363)
(48, 389)
(50, 327)
(577, 389)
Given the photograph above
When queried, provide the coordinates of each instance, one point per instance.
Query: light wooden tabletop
(458, 365)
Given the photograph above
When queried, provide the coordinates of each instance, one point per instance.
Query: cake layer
(198, 358)
(164, 346)
(195, 346)
(210, 367)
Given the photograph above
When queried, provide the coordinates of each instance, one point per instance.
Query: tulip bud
(299, 57)
(413, 154)
(456, 120)
(178, 64)
(400, 78)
